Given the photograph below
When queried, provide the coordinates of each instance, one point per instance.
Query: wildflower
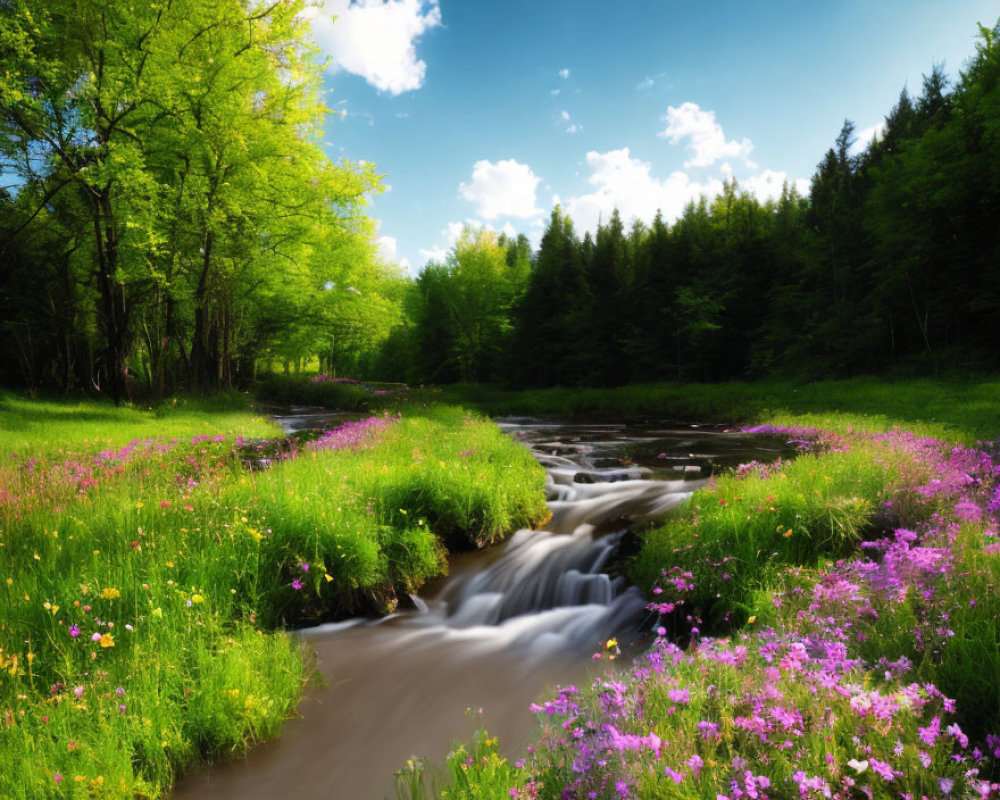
(304, 567)
(78, 691)
(74, 630)
(107, 640)
(956, 731)
(95, 637)
(197, 599)
(111, 594)
(946, 784)
(57, 777)
(296, 584)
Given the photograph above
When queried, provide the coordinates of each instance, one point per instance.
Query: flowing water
(507, 623)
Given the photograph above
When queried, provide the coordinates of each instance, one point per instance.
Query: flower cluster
(830, 696)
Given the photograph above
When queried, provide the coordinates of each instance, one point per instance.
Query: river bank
(149, 579)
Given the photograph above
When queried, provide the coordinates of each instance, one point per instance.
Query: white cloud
(565, 115)
(574, 128)
(449, 235)
(627, 184)
(504, 189)
(766, 185)
(555, 92)
(434, 254)
(865, 137)
(564, 74)
(704, 136)
(376, 39)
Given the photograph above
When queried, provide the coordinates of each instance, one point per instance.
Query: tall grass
(147, 579)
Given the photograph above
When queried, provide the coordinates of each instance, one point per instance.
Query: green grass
(964, 410)
(190, 566)
(41, 427)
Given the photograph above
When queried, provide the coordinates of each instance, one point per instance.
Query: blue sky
(489, 112)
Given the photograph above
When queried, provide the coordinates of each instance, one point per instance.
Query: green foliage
(176, 217)
(462, 308)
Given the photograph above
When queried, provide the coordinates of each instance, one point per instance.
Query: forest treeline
(168, 217)
(169, 221)
(892, 263)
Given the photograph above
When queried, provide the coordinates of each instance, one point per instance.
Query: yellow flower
(328, 576)
(752, 619)
(197, 598)
(107, 640)
(611, 643)
(111, 594)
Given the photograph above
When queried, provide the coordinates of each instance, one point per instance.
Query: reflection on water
(507, 624)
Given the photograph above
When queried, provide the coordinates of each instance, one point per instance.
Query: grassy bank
(963, 410)
(825, 627)
(148, 573)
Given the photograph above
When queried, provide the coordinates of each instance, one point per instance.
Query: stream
(508, 623)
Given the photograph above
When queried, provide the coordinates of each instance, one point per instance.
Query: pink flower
(74, 630)
(296, 584)
(78, 691)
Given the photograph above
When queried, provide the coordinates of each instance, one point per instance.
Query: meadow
(150, 571)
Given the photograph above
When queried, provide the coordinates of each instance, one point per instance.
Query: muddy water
(507, 624)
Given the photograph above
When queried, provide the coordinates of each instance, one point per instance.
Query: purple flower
(679, 696)
(946, 784)
(74, 630)
(296, 584)
(304, 567)
(95, 637)
(960, 737)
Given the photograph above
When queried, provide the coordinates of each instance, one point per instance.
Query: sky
(491, 112)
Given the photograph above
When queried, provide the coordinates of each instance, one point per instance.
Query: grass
(149, 575)
(961, 410)
(43, 427)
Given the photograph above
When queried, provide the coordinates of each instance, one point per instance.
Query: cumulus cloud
(627, 183)
(504, 189)
(376, 39)
(564, 74)
(703, 136)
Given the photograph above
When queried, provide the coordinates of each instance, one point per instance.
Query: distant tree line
(891, 263)
(168, 218)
